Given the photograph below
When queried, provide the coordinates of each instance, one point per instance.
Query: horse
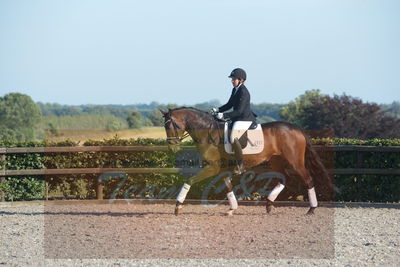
(282, 140)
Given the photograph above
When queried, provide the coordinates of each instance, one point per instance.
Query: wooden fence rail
(99, 187)
(69, 149)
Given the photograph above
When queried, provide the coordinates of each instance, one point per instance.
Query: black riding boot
(237, 148)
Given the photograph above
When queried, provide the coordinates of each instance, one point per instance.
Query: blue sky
(180, 51)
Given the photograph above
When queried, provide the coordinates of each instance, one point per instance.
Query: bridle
(175, 128)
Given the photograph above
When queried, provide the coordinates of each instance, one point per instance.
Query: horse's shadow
(117, 214)
(112, 214)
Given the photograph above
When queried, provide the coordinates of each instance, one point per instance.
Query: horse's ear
(162, 111)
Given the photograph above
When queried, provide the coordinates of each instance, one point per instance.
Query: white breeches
(239, 128)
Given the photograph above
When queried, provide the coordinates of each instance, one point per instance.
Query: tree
(115, 125)
(207, 106)
(392, 109)
(349, 117)
(156, 118)
(267, 112)
(19, 117)
(294, 111)
(134, 120)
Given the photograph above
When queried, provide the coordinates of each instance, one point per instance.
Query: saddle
(251, 139)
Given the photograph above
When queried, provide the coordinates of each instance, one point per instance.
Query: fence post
(2, 178)
(360, 159)
(359, 164)
(99, 188)
(2, 194)
(46, 186)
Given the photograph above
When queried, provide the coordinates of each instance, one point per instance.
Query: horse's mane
(199, 112)
(205, 118)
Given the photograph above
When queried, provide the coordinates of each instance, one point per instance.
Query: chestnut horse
(280, 139)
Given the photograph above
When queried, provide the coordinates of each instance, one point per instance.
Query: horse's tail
(321, 177)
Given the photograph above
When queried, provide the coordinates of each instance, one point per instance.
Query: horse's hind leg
(305, 176)
(296, 160)
(278, 165)
(312, 197)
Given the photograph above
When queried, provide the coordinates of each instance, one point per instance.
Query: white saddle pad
(255, 140)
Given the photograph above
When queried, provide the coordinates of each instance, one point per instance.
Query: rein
(175, 127)
(217, 128)
(213, 137)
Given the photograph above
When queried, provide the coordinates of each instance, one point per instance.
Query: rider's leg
(237, 148)
(238, 128)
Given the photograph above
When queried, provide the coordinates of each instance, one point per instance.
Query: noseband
(175, 128)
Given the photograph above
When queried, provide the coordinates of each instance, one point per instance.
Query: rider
(241, 115)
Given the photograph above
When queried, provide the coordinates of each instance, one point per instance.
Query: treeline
(84, 122)
(266, 111)
(121, 111)
(135, 116)
(340, 116)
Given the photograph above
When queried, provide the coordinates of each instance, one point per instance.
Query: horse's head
(174, 127)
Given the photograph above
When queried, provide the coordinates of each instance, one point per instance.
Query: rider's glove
(214, 111)
(220, 116)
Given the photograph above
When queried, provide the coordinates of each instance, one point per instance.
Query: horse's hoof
(229, 213)
(178, 209)
(269, 206)
(311, 211)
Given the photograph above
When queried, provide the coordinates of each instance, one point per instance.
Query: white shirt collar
(237, 88)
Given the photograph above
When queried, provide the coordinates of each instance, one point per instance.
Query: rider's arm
(228, 105)
(244, 101)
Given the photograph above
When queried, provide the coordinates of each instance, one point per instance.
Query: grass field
(83, 135)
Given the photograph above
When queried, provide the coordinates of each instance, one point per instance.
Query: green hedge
(352, 187)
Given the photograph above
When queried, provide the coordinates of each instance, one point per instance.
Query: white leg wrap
(275, 192)
(312, 197)
(227, 181)
(232, 200)
(182, 194)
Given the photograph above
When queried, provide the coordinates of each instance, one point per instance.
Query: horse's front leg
(208, 171)
(233, 204)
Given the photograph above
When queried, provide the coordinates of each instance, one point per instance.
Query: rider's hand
(214, 111)
(220, 116)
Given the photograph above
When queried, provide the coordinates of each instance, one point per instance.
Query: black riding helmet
(238, 73)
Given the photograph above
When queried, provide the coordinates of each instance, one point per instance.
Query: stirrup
(238, 170)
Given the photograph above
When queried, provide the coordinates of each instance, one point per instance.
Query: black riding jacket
(240, 102)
